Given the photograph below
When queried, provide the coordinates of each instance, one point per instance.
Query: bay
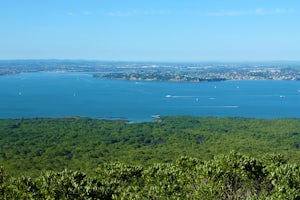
(31, 95)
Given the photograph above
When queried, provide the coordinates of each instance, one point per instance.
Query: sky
(150, 30)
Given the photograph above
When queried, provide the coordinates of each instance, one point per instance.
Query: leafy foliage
(173, 158)
(231, 176)
(28, 146)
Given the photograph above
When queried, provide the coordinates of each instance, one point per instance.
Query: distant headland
(151, 71)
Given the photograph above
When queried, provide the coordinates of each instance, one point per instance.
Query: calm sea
(66, 94)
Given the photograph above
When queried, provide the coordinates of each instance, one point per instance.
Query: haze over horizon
(150, 30)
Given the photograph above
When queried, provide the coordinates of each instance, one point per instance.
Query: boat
(156, 116)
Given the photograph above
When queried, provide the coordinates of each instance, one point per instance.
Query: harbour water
(33, 95)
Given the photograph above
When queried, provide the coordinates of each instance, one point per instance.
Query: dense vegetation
(233, 176)
(173, 158)
(28, 146)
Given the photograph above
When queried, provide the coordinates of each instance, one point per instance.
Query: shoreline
(95, 74)
(155, 118)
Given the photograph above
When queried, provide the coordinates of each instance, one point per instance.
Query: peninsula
(150, 71)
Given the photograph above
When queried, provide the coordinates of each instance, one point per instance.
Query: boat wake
(220, 106)
(172, 96)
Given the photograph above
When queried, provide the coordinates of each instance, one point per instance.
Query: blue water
(56, 95)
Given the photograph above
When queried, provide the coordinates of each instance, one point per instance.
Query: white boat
(156, 116)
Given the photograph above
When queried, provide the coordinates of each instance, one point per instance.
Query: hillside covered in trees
(174, 157)
(232, 176)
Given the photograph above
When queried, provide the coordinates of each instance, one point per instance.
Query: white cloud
(119, 14)
(137, 13)
(87, 12)
(258, 11)
(70, 13)
(282, 11)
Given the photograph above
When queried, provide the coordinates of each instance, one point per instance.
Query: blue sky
(150, 30)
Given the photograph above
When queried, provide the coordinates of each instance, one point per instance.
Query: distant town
(151, 71)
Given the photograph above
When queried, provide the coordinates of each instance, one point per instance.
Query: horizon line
(149, 61)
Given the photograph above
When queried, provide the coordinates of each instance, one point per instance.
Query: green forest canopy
(28, 146)
(231, 176)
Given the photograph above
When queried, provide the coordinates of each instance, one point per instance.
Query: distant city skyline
(150, 30)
